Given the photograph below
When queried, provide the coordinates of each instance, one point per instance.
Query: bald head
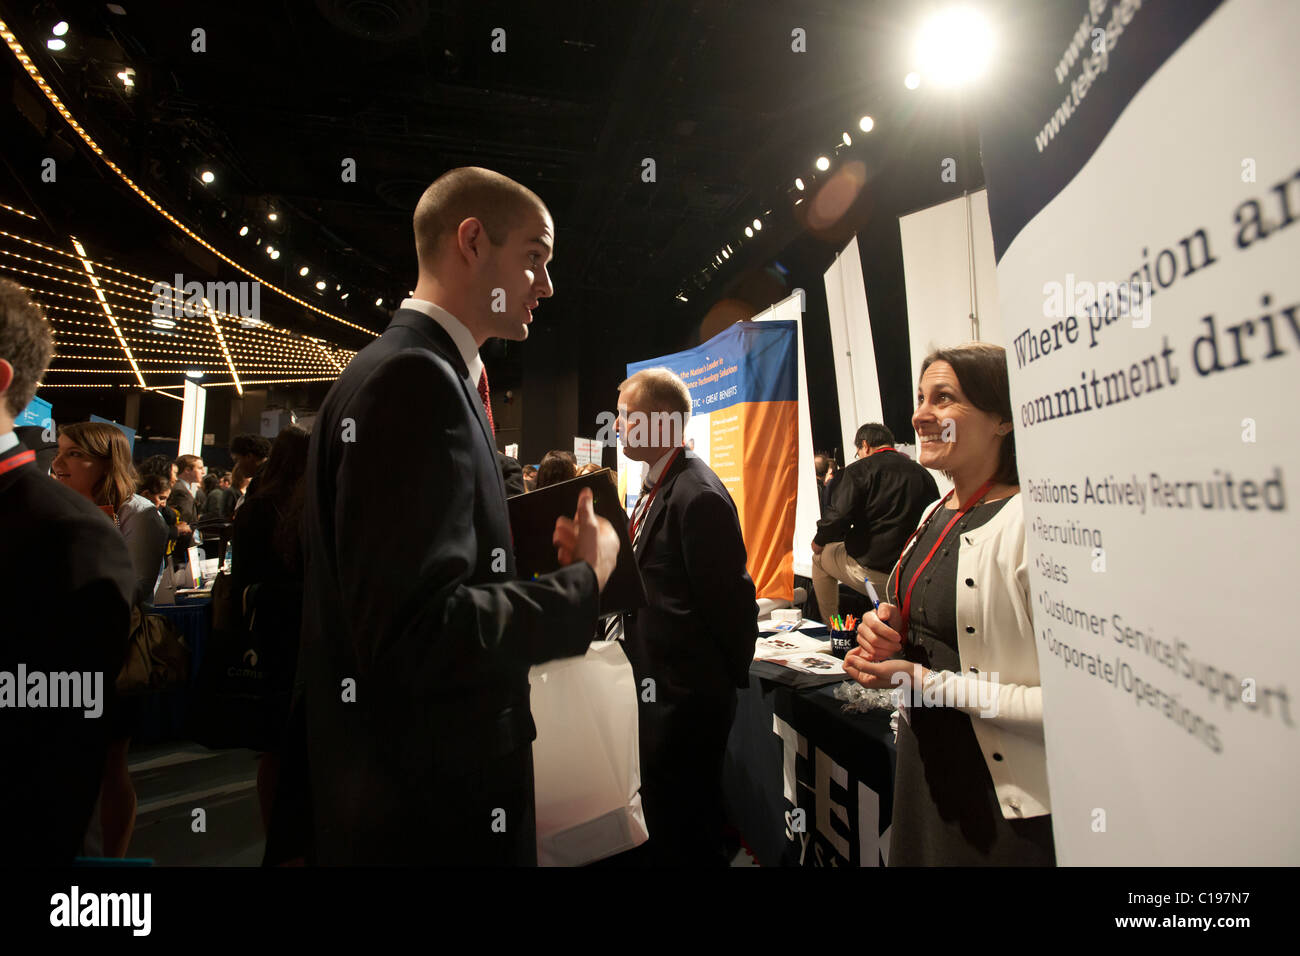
(470, 192)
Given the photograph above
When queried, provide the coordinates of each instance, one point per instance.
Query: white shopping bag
(586, 758)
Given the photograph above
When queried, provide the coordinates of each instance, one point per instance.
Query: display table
(793, 750)
(163, 714)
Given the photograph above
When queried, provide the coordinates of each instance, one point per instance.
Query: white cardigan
(999, 659)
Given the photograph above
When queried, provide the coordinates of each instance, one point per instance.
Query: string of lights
(26, 63)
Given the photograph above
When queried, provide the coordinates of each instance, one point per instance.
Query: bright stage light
(379, 302)
(823, 163)
(275, 253)
(60, 28)
(798, 184)
(757, 225)
(194, 373)
(749, 231)
(320, 284)
(848, 140)
(912, 80)
(954, 46)
(55, 44)
(243, 231)
(272, 216)
(866, 124)
(303, 271)
(208, 176)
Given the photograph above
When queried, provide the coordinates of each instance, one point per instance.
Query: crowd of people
(402, 658)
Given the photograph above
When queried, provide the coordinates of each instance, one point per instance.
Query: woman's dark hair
(981, 370)
(280, 484)
(156, 465)
(556, 466)
(210, 481)
(152, 484)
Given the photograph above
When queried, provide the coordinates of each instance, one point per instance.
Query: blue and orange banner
(744, 425)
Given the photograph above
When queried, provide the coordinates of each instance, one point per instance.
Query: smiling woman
(971, 783)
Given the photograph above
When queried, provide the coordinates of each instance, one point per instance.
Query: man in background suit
(417, 640)
(189, 485)
(65, 564)
(695, 638)
(512, 474)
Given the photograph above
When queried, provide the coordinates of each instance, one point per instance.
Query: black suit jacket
(66, 585)
(512, 474)
(183, 501)
(875, 504)
(419, 607)
(695, 638)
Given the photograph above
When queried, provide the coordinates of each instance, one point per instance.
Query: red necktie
(484, 394)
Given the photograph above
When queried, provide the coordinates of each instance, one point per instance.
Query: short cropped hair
(661, 390)
(185, 462)
(497, 201)
(874, 435)
(26, 343)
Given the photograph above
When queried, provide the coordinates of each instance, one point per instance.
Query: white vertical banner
(807, 509)
(193, 409)
(950, 274)
(856, 382)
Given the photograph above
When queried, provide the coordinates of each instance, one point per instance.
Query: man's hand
(817, 548)
(587, 537)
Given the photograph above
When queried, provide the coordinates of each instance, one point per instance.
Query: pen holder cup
(843, 641)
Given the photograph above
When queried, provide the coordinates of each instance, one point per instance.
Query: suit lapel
(660, 502)
(444, 346)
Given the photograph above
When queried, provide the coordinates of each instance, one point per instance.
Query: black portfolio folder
(532, 522)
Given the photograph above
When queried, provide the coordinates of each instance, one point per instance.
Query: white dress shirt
(8, 440)
(460, 335)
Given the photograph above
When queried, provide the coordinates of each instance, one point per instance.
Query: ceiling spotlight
(757, 225)
(208, 176)
(954, 46)
(866, 124)
(823, 163)
(848, 140)
(303, 271)
(337, 287)
(379, 302)
(726, 254)
(729, 249)
(273, 216)
(320, 284)
(798, 184)
(343, 296)
(798, 201)
(749, 232)
(243, 231)
(681, 298)
(270, 250)
(162, 323)
(194, 373)
(275, 253)
(60, 28)
(55, 44)
(912, 80)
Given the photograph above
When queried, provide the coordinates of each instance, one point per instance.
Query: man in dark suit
(189, 485)
(66, 564)
(695, 638)
(417, 638)
(874, 507)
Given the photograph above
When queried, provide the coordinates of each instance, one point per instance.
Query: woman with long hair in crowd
(266, 570)
(94, 460)
(955, 630)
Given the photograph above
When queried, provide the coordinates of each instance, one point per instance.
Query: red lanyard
(17, 461)
(906, 603)
(639, 513)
